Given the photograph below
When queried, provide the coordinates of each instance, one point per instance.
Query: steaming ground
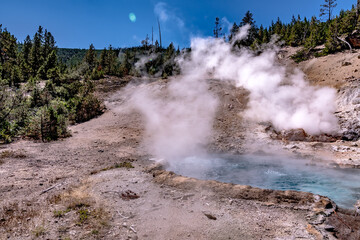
(79, 169)
(179, 117)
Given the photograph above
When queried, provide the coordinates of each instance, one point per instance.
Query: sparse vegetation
(38, 231)
(116, 165)
(84, 214)
(81, 211)
(11, 154)
(60, 213)
(17, 216)
(120, 165)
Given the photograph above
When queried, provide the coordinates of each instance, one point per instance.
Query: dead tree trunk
(343, 40)
(159, 33)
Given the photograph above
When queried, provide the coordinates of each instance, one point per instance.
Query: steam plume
(287, 101)
(179, 124)
(178, 117)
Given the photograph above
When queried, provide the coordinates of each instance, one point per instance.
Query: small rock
(209, 216)
(317, 145)
(350, 136)
(329, 228)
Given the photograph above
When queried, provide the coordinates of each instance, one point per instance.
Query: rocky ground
(100, 183)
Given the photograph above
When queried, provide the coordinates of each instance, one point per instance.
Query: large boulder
(294, 135)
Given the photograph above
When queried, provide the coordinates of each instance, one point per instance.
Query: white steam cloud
(165, 14)
(179, 115)
(285, 100)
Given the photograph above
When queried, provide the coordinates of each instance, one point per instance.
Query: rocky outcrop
(349, 110)
(299, 135)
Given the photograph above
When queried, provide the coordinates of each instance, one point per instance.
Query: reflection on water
(341, 185)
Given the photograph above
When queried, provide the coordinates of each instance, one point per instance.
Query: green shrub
(49, 122)
(96, 74)
(87, 107)
(301, 55)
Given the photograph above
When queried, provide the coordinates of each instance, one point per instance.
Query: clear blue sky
(77, 23)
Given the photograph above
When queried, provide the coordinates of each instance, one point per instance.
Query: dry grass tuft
(11, 154)
(76, 208)
(38, 231)
(17, 216)
(116, 165)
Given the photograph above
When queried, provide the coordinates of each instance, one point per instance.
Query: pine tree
(348, 22)
(169, 57)
(103, 58)
(278, 27)
(261, 34)
(49, 44)
(170, 52)
(357, 10)
(266, 37)
(26, 49)
(283, 32)
(252, 34)
(110, 59)
(8, 58)
(233, 31)
(90, 57)
(296, 34)
(314, 38)
(327, 8)
(36, 57)
(157, 46)
(217, 28)
(145, 43)
(51, 61)
(125, 66)
(332, 43)
(25, 58)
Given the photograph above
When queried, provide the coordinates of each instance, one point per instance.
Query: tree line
(308, 33)
(38, 97)
(41, 94)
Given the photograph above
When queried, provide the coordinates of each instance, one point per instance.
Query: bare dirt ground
(99, 183)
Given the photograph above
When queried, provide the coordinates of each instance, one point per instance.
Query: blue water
(279, 173)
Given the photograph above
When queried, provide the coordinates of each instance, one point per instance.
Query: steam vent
(179, 120)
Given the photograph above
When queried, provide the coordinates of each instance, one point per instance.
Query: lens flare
(132, 17)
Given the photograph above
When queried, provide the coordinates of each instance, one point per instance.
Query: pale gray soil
(89, 199)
